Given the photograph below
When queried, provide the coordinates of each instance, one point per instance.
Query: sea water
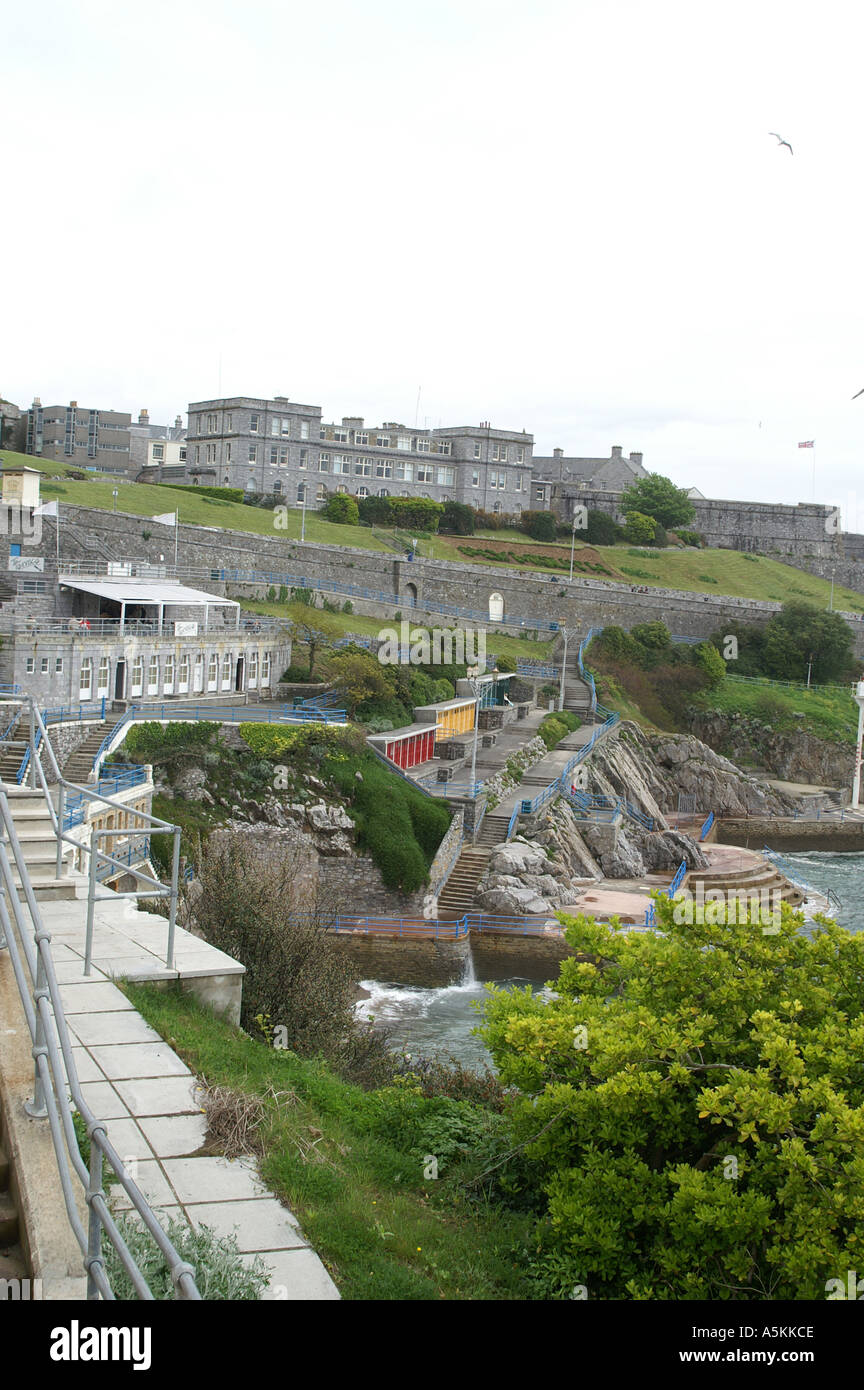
(440, 1022)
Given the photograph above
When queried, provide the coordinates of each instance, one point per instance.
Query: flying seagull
(858, 393)
(780, 139)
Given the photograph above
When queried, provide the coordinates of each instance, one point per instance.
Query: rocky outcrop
(796, 756)
(650, 770)
(634, 852)
(522, 879)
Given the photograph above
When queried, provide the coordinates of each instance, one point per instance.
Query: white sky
(559, 215)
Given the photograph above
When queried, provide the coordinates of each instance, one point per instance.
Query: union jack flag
(807, 444)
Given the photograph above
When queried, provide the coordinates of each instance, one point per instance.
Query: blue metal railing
(537, 669)
(9, 688)
(706, 825)
(513, 819)
(678, 879)
(126, 776)
(75, 714)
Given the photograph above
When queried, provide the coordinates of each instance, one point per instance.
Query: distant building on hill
(158, 447)
(13, 426)
(88, 438)
(284, 448)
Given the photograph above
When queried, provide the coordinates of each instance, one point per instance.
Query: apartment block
(87, 437)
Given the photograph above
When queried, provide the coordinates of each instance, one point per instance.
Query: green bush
(689, 537)
(221, 1272)
(430, 821)
(540, 526)
(342, 509)
(640, 529)
(457, 519)
(602, 529)
(217, 494)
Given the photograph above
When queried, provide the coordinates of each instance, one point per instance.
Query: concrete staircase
(12, 1263)
(39, 846)
(79, 765)
(457, 895)
(493, 831)
(759, 879)
(11, 757)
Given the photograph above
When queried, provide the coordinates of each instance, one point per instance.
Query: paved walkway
(150, 1101)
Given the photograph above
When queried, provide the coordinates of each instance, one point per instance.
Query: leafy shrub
(216, 494)
(602, 529)
(689, 537)
(540, 526)
(342, 509)
(221, 1272)
(640, 528)
(457, 519)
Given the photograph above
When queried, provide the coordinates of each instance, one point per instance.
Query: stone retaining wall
(406, 960)
(830, 837)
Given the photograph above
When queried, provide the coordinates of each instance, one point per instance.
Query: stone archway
(411, 594)
(496, 607)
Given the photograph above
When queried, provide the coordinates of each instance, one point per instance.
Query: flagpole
(57, 537)
(176, 537)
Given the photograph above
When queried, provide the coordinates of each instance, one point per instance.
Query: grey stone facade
(608, 475)
(267, 446)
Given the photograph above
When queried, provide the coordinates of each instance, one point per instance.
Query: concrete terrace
(150, 1101)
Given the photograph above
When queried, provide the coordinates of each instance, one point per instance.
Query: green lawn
(516, 648)
(383, 1231)
(717, 572)
(150, 499)
(826, 711)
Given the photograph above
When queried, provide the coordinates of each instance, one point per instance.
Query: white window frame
(137, 678)
(168, 675)
(213, 672)
(227, 671)
(153, 674)
(103, 670)
(252, 671)
(183, 675)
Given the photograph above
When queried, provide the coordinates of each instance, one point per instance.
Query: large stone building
(280, 446)
(555, 475)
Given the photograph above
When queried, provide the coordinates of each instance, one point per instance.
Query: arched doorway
(411, 594)
(238, 679)
(120, 679)
(496, 608)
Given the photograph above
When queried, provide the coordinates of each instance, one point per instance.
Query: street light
(473, 685)
(303, 516)
(858, 696)
(573, 543)
(115, 494)
(831, 603)
(563, 672)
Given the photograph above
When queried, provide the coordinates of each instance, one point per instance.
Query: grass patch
(826, 711)
(382, 1229)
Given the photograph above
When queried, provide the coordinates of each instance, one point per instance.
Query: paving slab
(174, 1136)
(295, 1275)
(166, 1095)
(93, 996)
(119, 1061)
(120, 1026)
(220, 1179)
(258, 1225)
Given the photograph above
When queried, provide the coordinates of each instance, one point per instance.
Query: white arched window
(168, 677)
(183, 674)
(213, 672)
(227, 666)
(103, 677)
(153, 676)
(265, 669)
(252, 679)
(496, 608)
(277, 486)
(138, 675)
(85, 684)
(198, 673)
(362, 492)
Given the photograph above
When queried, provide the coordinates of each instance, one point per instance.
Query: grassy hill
(718, 572)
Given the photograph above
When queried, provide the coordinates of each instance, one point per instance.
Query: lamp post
(476, 729)
(563, 673)
(115, 494)
(303, 516)
(572, 545)
(858, 696)
(831, 602)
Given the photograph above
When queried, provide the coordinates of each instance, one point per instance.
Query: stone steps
(79, 765)
(457, 895)
(493, 831)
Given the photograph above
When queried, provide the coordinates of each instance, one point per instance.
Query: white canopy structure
(159, 594)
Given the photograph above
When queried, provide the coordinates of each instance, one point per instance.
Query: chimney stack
(73, 405)
(637, 459)
(558, 453)
(616, 451)
(143, 416)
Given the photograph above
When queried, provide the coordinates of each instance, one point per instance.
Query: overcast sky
(565, 216)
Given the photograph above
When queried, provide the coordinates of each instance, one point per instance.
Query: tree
(416, 513)
(602, 529)
(691, 1107)
(659, 497)
(314, 629)
(341, 508)
(457, 519)
(710, 663)
(375, 510)
(640, 528)
(540, 526)
(360, 677)
(800, 632)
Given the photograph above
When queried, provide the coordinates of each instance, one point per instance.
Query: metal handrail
(29, 946)
(706, 825)
(153, 824)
